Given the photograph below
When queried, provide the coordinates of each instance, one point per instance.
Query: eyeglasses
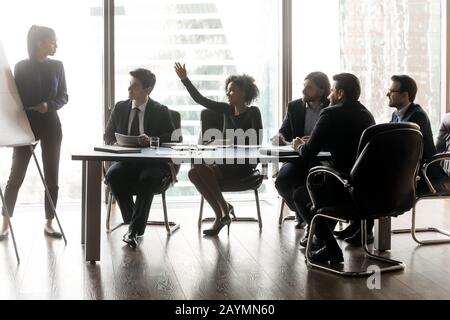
(392, 91)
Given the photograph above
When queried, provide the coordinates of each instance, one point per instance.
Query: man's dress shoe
(131, 239)
(316, 243)
(300, 225)
(326, 255)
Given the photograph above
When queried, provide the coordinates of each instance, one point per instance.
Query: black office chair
(443, 158)
(213, 120)
(382, 183)
(168, 181)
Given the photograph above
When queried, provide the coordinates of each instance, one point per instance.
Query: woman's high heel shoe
(231, 211)
(224, 221)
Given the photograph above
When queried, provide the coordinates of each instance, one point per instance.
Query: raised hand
(180, 70)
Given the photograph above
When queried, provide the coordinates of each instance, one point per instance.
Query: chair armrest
(436, 158)
(341, 177)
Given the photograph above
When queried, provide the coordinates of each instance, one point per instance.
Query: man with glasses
(402, 94)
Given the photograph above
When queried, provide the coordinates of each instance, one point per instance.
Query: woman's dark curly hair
(247, 84)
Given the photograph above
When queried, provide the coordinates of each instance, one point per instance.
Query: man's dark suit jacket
(443, 138)
(157, 121)
(417, 115)
(294, 122)
(338, 130)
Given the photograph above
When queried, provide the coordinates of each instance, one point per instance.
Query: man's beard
(308, 99)
(333, 101)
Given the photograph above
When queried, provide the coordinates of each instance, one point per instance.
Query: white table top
(228, 155)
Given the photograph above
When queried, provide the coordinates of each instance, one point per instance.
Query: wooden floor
(247, 264)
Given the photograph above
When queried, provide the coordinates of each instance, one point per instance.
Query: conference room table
(92, 176)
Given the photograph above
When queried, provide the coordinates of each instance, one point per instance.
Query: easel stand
(10, 226)
(49, 198)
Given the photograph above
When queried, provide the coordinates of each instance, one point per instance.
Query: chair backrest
(176, 120)
(210, 120)
(384, 174)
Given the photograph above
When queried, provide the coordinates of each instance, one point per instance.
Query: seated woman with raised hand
(240, 117)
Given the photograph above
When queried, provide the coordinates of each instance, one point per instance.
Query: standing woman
(41, 84)
(241, 90)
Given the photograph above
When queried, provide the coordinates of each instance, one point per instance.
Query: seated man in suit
(402, 94)
(301, 117)
(143, 117)
(338, 130)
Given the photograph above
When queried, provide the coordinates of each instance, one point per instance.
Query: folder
(117, 149)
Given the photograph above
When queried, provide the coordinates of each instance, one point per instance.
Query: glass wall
(79, 29)
(315, 40)
(380, 38)
(373, 39)
(215, 38)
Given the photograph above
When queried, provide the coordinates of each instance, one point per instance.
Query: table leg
(83, 202)
(92, 210)
(382, 234)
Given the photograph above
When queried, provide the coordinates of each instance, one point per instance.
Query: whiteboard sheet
(15, 128)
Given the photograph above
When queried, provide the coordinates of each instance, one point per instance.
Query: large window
(79, 29)
(373, 39)
(215, 38)
(315, 40)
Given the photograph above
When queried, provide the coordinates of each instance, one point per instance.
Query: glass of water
(154, 142)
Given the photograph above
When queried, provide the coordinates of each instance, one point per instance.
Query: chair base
(171, 226)
(393, 265)
(282, 218)
(246, 219)
(413, 230)
(422, 230)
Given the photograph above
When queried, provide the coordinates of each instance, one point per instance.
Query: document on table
(278, 151)
(117, 149)
(127, 141)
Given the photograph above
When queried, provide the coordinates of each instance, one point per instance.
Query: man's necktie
(134, 130)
